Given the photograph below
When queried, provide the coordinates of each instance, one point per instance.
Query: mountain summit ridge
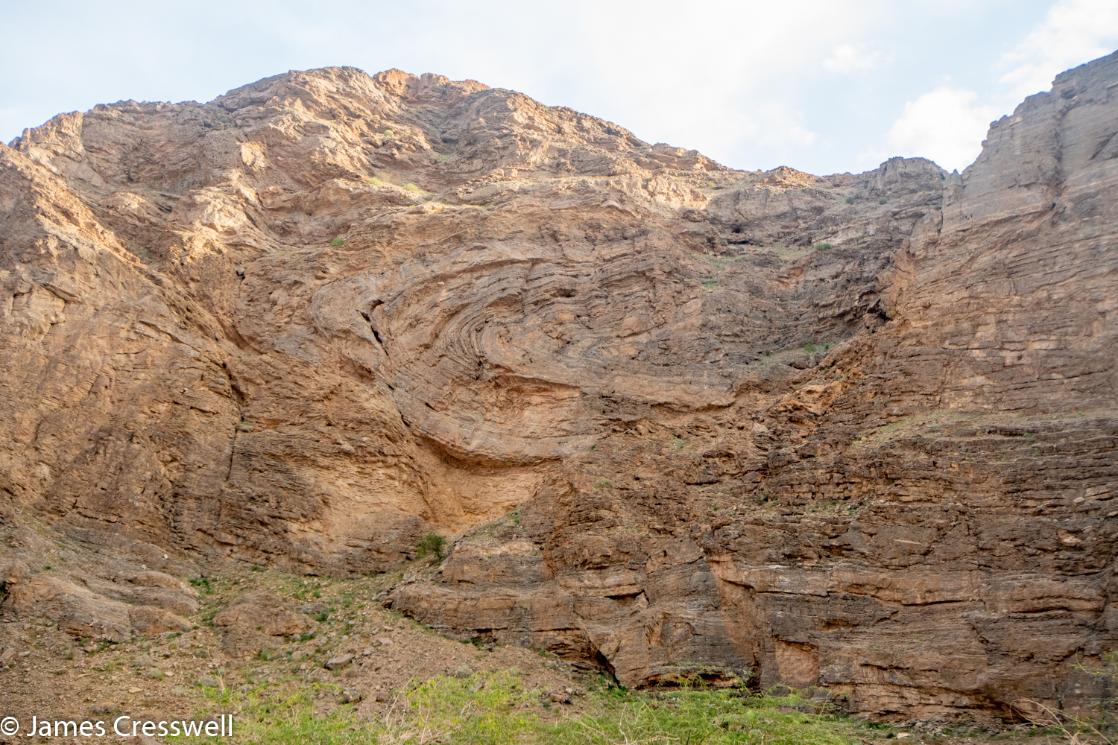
(851, 431)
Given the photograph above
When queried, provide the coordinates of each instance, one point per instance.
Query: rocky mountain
(854, 431)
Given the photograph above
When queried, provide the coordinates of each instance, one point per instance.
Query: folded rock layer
(854, 431)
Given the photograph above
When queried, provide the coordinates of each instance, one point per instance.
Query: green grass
(338, 242)
(264, 717)
(494, 708)
(481, 709)
(707, 717)
(274, 702)
(823, 246)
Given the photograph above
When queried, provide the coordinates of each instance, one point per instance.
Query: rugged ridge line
(855, 431)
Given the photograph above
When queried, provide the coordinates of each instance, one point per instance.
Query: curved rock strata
(852, 431)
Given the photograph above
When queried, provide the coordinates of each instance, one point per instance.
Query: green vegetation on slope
(495, 708)
(399, 689)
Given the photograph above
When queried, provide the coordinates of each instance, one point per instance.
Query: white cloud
(1072, 32)
(945, 124)
(851, 58)
(726, 78)
(808, 83)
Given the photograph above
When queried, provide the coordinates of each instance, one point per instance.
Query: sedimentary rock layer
(852, 431)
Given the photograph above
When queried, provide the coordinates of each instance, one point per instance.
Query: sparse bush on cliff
(1095, 725)
(431, 545)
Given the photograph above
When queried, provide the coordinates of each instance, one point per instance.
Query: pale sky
(820, 85)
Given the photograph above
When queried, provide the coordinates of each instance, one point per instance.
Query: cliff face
(854, 431)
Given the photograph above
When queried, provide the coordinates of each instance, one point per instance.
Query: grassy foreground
(495, 708)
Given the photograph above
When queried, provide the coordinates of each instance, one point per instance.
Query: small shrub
(823, 246)
(203, 585)
(413, 188)
(816, 348)
(338, 242)
(431, 545)
(206, 617)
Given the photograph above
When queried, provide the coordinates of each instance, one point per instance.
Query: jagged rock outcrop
(854, 431)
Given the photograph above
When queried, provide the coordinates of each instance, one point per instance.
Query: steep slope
(855, 431)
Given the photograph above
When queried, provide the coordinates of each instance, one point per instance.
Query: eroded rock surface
(854, 431)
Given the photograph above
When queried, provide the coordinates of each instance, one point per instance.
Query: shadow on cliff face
(853, 431)
(914, 520)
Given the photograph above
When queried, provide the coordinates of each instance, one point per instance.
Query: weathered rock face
(855, 431)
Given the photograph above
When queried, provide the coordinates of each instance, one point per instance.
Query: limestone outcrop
(851, 431)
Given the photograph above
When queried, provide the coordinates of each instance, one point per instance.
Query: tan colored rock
(74, 608)
(256, 622)
(150, 621)
(262, 614)
(856, 431)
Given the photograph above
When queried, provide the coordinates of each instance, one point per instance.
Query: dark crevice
(602, 662)
(372, 327)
